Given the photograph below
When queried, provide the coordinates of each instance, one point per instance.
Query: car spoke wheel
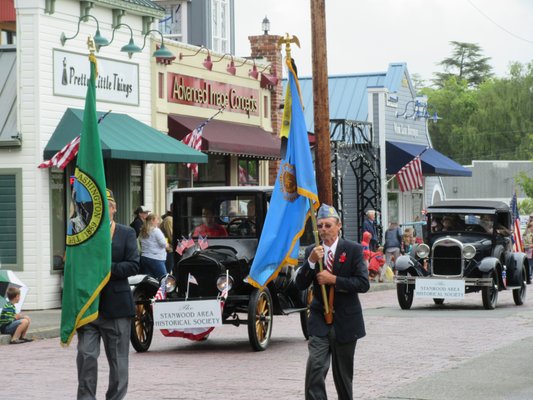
(519, 295)
(260, 312)
(405, 294)
(304, 315)
(142, 325)
(489, 294)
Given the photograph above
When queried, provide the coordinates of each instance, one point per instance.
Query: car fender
(514, 263)
(488, 264)
(141, 281)
(406, 263)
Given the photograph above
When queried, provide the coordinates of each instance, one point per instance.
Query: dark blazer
(116, 300)
(352, 278)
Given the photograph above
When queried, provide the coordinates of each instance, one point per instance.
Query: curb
(44, 333)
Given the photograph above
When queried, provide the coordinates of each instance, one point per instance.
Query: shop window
(265, 107)
(161, 85)
(213, 173)
(392, 208)
(11, 219)
(58, 217)
(248, 172)
(136, 185)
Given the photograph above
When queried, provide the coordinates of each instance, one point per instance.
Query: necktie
(329, 261)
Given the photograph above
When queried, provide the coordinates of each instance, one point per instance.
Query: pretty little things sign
(117, 81)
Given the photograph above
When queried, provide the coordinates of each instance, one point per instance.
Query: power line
(498, 25)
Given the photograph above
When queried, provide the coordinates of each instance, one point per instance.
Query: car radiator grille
(447, 260)
(205, 274)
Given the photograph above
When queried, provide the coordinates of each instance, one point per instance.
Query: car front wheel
(519, 295)
(142, 325)
(405, 294)
(489, 294)
(260, 313)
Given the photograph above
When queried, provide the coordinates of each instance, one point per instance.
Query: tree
(466, 62)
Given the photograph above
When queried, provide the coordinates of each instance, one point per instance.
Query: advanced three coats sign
(117, 82)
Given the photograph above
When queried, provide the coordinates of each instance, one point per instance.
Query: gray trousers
(115, 334)
(342, 358)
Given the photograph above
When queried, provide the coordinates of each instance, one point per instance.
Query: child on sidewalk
(376, 265)
(12, 323)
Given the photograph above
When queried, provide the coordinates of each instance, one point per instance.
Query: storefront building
(233, 101)
(42, 101)
(388, 126)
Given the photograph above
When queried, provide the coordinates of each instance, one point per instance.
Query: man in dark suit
(345, 275)
(113, 324)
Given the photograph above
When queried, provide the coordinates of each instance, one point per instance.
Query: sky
(367, 35)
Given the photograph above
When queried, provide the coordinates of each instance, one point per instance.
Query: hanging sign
(117, 81)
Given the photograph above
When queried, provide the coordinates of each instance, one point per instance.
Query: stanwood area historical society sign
(187, 314)
(440, 288)
(117, 81)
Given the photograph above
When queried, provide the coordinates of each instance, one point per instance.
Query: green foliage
(493, 121)
(525, 207)
(466, 63)
(526, 184)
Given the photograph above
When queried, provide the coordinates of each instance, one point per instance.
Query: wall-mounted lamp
(162, 52)
(254, 72)
(231, 68)
(99, 40)
(416, 109)
(207, 63)
(265, 25)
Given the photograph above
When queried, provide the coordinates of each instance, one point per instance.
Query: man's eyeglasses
(327, 226)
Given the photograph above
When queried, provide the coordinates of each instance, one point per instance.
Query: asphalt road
(454, 351)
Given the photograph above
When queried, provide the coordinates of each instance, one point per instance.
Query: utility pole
(321, 102)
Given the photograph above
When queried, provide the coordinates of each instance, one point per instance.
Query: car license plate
(187, 314)
(440, 288)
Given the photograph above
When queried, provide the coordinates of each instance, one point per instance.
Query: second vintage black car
(468, 248)
(220, 226)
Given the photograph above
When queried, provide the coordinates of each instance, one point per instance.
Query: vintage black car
(232, 218)
(468, 248)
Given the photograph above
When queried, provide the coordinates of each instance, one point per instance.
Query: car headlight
(224, 282)
(469, 251)
(171, 284)
(422, 251)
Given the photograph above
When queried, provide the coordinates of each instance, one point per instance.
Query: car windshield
(471, 222)
(216, 215)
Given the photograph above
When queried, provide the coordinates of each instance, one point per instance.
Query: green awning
(124, 138)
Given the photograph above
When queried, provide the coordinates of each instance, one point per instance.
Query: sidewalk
(45, 323)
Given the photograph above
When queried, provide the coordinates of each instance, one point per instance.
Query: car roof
(226, 189)
(456, 205)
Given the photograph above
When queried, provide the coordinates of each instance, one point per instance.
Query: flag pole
(328, 315)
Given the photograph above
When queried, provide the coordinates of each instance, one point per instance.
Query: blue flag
(290, 205)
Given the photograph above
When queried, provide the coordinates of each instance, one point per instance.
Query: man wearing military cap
(115, 311)
(344, 275)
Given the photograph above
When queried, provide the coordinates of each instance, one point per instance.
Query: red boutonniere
(342, 258)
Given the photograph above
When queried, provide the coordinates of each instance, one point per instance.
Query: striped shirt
(8, 314)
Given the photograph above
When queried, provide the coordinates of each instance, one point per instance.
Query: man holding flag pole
(295, 199)
(101, 255)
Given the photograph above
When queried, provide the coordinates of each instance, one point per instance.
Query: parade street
(454, 351)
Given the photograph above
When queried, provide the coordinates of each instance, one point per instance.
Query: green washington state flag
(88, 256)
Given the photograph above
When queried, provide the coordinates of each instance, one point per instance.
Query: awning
(433, 163)
(124, 138)
(227, 137)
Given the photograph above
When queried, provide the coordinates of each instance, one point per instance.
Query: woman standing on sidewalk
(153, 247)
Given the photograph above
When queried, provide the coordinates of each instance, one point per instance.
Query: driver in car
(209, 227)
(247, 226)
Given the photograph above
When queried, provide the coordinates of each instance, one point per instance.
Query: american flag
(194, 140)
(410, 175)
(518, 245)
(192, 279)
(202, 242)
(67, 153)
(162, 291)
(63, 156)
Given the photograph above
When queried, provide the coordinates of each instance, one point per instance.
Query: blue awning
(433, 163)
